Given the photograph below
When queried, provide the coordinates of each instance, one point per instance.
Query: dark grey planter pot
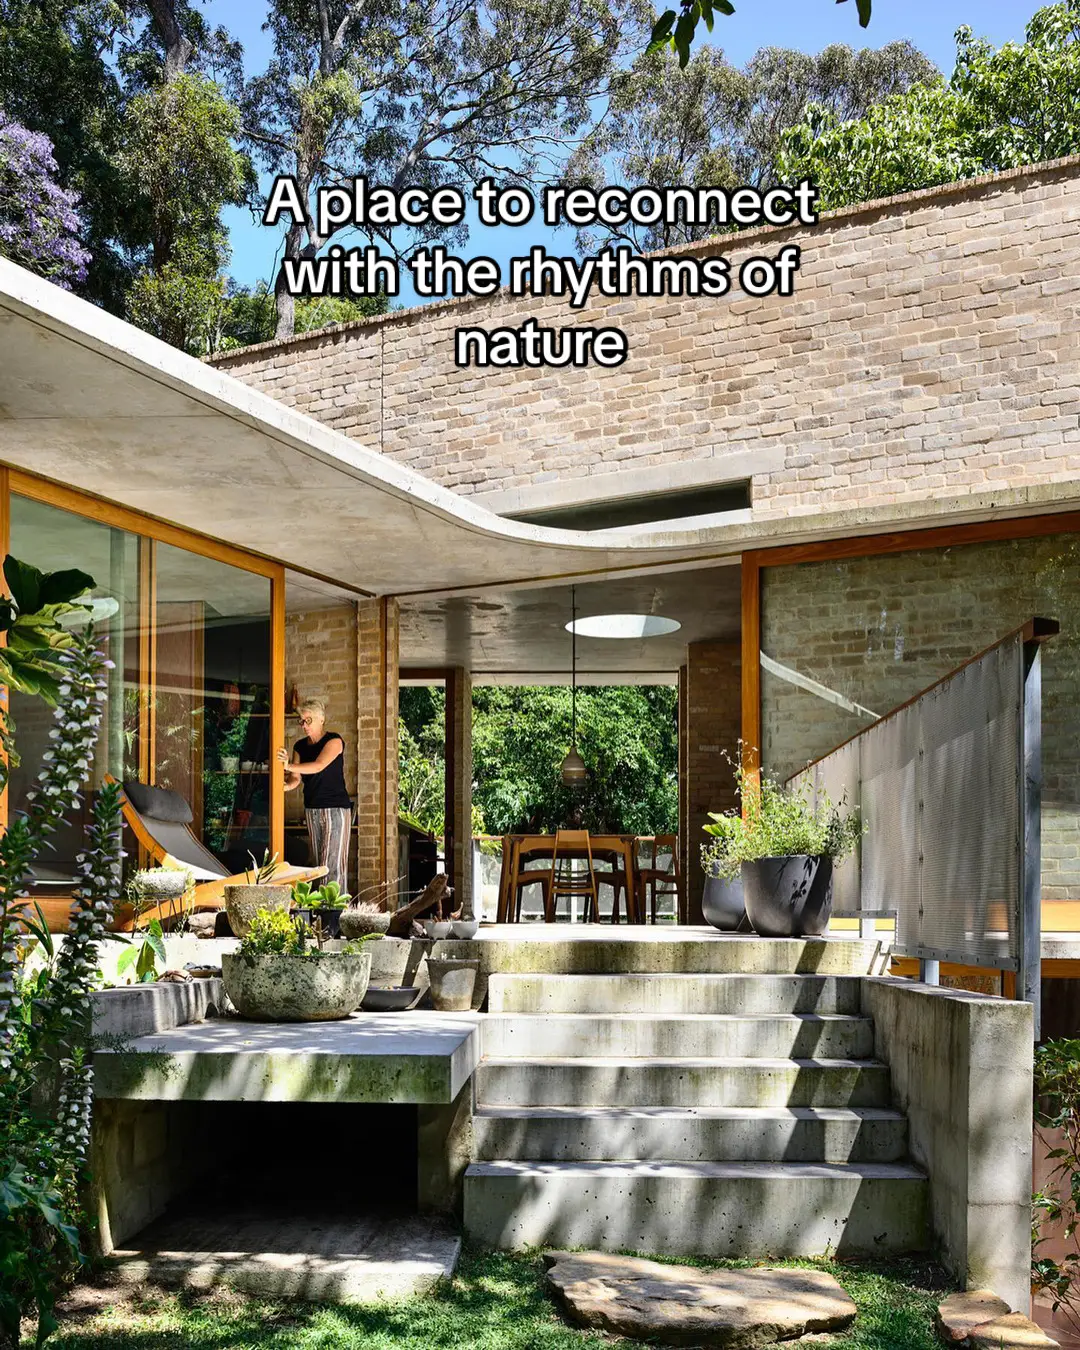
(723, 905)
(788, 897)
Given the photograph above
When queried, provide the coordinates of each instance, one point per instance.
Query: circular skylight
(623, 626)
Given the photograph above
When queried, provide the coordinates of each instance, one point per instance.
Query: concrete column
(444, 1151)
(713, 722)
(377, 742)
(459, 775)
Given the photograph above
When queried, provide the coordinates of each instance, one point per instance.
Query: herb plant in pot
(787, 846)
(282, 973)
(243, 902)
(722, 901)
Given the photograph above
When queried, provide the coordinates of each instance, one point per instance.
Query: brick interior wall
(880, 629)
(377, 721)
(320, 660)
(712, 684)
(931, 346)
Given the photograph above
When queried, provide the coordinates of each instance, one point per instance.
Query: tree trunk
(284, 303)
(178, 49)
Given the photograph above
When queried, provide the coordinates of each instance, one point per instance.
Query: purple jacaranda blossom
(39, 222)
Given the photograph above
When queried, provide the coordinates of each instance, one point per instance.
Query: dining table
(518, 849)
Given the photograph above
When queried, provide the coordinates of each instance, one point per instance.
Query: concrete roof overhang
(92, 402)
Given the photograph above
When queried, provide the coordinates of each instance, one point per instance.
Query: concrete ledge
(141, 1009)
(962, 1073)
(421, 1058)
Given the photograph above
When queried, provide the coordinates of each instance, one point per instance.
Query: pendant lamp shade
(573, 772)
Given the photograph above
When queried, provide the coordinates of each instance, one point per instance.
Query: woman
(318, 761)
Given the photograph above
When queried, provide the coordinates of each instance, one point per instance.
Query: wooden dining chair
(567, 882)
(655, 881)
(535, 876)
(615, 877)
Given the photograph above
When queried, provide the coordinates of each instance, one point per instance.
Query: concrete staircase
(716, 1113)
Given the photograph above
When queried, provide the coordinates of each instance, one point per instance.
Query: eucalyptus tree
(425, 93)
(715, 124)
(182, 161)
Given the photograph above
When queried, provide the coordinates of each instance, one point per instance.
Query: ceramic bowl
(464, 929)
(437, 929)
(397, 999)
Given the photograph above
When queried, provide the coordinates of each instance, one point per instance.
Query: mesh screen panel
(939, 786)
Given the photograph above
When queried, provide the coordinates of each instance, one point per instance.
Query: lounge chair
(161, 820)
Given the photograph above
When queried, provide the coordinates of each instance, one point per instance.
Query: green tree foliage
(677, 28)
(1017, 104)
(627, 736)
(424, 92)
(56, 78)
(250, 314)
(712, 123)
(181, 158)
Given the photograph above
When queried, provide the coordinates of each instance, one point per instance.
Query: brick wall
(377, 739)
(712, 705)
(878, 630)
(931, 346)
(320, 660)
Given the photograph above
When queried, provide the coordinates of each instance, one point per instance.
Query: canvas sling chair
(160, 820)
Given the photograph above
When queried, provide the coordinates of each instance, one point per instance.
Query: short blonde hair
(315, 705)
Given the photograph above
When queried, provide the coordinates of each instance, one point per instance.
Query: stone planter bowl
(452, 982)
(789, 897)
(242, 903)
(354, 923)
(316, 988)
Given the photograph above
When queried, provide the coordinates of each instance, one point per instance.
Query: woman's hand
(283, 756)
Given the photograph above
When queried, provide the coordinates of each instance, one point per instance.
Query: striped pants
(330, 830)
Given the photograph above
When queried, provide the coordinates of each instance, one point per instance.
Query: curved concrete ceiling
(90, 401)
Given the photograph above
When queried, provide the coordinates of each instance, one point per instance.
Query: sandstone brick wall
(320, 660)
(880, 629)
(377, 738)
(931, 346)
(710, 706)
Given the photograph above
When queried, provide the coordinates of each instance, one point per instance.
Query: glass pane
(212, 699)
(846, 641)
(52, 539)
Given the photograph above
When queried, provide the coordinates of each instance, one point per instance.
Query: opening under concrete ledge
(309, 1255)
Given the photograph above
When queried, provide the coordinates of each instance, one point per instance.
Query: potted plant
(284, 973)
(358, 920)
(786, 846)
(722, 901)
(242, 902)
(321, 905)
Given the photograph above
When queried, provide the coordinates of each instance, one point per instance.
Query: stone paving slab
(979, 1320)
(308, 1256)
(404, 1057)
(679, 1305)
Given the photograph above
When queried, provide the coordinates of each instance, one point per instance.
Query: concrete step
(688, 1134)
(802, 1036)
(681, 1082)
(746, 995)
(589, 949)
(706, 1209)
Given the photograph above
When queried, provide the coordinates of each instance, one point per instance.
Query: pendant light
(573, 772)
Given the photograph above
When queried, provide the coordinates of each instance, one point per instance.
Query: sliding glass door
(194, 702)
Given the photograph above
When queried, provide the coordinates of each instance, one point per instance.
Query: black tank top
(326, 788)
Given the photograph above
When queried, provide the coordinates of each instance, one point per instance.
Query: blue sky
(805, 24)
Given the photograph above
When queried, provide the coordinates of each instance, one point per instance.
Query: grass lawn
(497, 1302)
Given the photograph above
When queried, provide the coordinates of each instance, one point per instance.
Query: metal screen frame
(949, 788)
